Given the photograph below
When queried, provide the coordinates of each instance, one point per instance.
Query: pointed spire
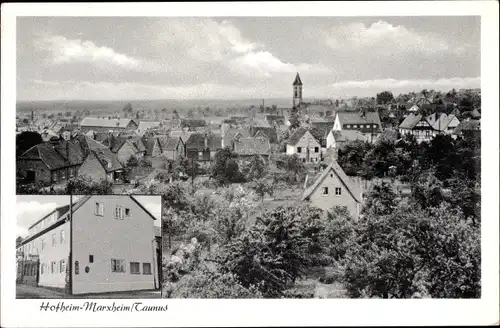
(297, 80)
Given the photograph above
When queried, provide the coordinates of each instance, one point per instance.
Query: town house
(368, 123)
(113, 247)
(418, 126)
(303, 143)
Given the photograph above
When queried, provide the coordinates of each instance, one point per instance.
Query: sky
(134, 58)
(30, 208)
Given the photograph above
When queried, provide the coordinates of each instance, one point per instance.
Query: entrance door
(30, 176)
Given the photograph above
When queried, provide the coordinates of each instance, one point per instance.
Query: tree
(127, 109)
(225, 169)
(275, 251)
(262, 187)
(411, 252)
(351, 157)
(132, 162)
(256, 168)
(384, 97)
(84, 185)
(380, 200)
(25, 140)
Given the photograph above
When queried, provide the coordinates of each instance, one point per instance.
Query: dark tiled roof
(252, 146)
(197, 141)
(150, 143)
(347, 135)
(167, 143)
(359, 118)
(108, 159)
(323, 128)
(268, 131)
(193, 123)
(296, 135)
(56, 155)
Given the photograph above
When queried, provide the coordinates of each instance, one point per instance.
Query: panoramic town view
(296, 157)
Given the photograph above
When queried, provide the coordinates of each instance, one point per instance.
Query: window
(62, 266)
(331, 175)
(62, 237)
(299, 149)
(348, 126)
(127, 211)
(374, 126)
(43, 243)
(91, 258)
(135, 268)
(146, 268)
(361, 126)
(119, 212)
(325, 190)
(338, 191)
(354, 126)
(117, 265)
(53, 267)
(77, 267)
(53, 239)
(316, 149)
(99, 209)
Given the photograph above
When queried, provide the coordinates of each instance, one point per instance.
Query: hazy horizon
(233, 58)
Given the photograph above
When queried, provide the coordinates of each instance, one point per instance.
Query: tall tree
(27, 139)
(384, 97)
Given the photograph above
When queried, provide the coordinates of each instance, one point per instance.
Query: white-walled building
(113, 246)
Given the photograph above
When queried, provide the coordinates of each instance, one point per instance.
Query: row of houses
(113, 242)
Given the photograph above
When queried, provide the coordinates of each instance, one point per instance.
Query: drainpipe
(154, 264)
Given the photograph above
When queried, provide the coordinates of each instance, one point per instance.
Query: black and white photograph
(255, 158)
(88, 246)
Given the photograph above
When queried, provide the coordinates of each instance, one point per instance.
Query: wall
(42, 172)
(53, 253)
(92, 168)
(308, 141)
(106, 238)
(326, 202)
(330, 140)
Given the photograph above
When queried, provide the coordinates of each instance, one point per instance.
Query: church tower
(297, 91)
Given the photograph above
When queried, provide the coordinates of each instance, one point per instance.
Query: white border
(485, 311)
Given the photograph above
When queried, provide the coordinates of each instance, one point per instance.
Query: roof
(64, 216)
(115, 143)
(297, 80)
(108, 159)
(197, 141)
(442, 122)
(322, 128)
(150, 143)
(56, 155)
(278, 119)
(106, 123)
(144, 125)
(184, 135)
(270, 132)
(350, 185)
(470, 125)
(347, 135)
(231, 133)
(296, 136)
(359, 118)
(193, 123)
(168, 143)
(252, 146)
(410, 121)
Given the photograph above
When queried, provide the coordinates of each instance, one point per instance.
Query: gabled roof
(349, 184)
(150, 143)
(168, 143)
(411, 121)
(252, 146)
(442, 122)
(106, 123)
(65, 216)
(297, 80)
(56, 155)
(270, 132)
(359, 118)
(197, 141)
(323, 128)
(108, 159)
(297, 135)
(192, 123)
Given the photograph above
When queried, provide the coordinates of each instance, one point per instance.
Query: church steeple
(297, 91)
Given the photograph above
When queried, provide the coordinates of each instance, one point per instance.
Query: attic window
(325, 190)
(338, 191)
(127, 211)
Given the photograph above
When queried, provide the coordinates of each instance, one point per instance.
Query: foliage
(225, 169)
(380, 200)
(288, 168)
(351, 157)
(127, 108)
(262, 187)
(276, 250)
(255, 169)
(433, 253)
(132, 162)
(205, 283)
(384, 97)
(83, 185)
(25, 140)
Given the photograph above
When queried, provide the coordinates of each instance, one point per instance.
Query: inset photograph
(88, 246)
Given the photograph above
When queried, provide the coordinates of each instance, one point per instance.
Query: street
(32, 292)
